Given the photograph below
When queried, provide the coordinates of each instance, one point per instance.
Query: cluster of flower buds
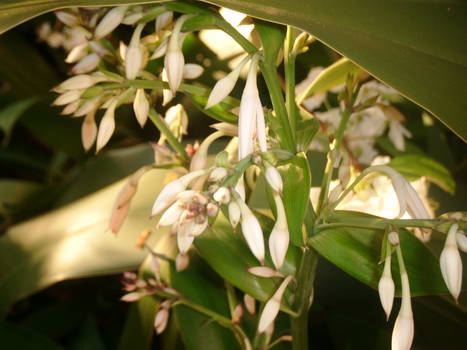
(137, 288)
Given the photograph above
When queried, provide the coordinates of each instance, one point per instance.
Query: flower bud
(161, 320)
(451, 263)
(212, 209)
(77, 53)
(134, 55)
(234, 213)
(160, 50)
(163, 21)
(174, 60)
(402, 334)
(393, 238)
(88, 131)
(192, 71)
(131, 297)
(155, 266)
(252, 231)
(185, 235)
(264, 271)
(271, 309)
(110, 21)
(71, 107)
(169, 192)
(181, 262)
(461, 241)
(70, 19)
(199, 159)
(67, 97)
(279, 238)
(250, 303)
(222, 195)
(106, 126)
(86, 64)
(82, 81)
(171, 215)
(218, 174)
(274, 178)
(225, 85)
(141, 107)
(386, 287)
(237, 314)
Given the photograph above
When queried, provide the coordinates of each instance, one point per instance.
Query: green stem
(289, 68)
(164, 129)
(285, 132)
(305, 281)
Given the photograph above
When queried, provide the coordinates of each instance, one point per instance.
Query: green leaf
(306, 131)
(357, 251)
(415, 166)
(10, 114)
(14, 193)
(139, 325)
(296, 177)
(334, 75)
(272, 37)
(196, 329)
(15, 336)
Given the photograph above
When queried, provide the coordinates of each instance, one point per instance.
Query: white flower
(141, 107)
(82, 81)
(77, 53)
(273, 178)
(451, 263)
(67, 18)
(110, 21)
(386, 287)
(252, 231)
(461, 241)
(200, 158)
(271, 309)
(107, 125)
(402, 334)
(396, 134)
(218, 174)
(279, 238)
(225, 85)
(222, 195)
(86, 64)
(174, 60)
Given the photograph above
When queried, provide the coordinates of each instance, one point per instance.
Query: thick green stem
(303, 299)
(289, 67)
(164, 129)
(285, 132)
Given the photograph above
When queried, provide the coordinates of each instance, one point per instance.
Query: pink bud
(264, 271)
(88, 131)
(161, 320)
(237, 314)
(250, 303)
(181, 262)
(131, 297)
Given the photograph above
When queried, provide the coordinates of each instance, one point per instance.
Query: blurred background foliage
(43, 167)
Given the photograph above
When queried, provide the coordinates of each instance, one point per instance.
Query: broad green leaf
(139, 325)
(357, 251)
(10, 114)
(306, 131)
(15, 336)
(296, 177)
(416, 166)
(272, 37)
(73, 241)
(196, 329)
(334, 75)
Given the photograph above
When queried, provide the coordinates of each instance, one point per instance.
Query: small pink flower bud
(234, 213)
(271, 309)
(110, 21)
(161, 320)
(170, 192)
(192, 71)
(106, 126)
(264, 271)
(222, 195)
(237, 314)
(274, 178)
(279, 238)
(252, 231)
(393, 238)
(181, 262)
(88, 131)
(250, 303)
(86, 64)
(386, 287)
(141, 107)
(451, 263)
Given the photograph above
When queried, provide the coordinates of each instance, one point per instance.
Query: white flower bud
(163, 21)
(212, 209)
(86, 65)
(264, 271)
(141, 107)
(225, 85)
(132, 18)
(250, 303)
(396, 134)
(402, 334)
(218, 174)
(55, 39)
(88, 131)
(226, 128)
(91, 105)
(174, 60)
(134, 55)
(77, 53)
(177, 119)
(234, 213)
(271, 309)
(393, 238)
(200, 158)
(171, 215)
(106, 126)
(279, 238)
(131, 297)
(82, 81)
(386, 287)
(199, 227)
(110, 21)
(222, 195)
(161, 320)
(169, 192)
(67, 97)
(451, 263)
(181, 262)
(71, 107)
(67, 18)
(160, 50)
(155, 266)
(252, 231)
(192, 71)
(274, 178)
(461, 241)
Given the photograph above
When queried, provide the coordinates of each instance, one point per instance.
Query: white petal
(141, 107)
(252, 232)
(192, 71)
(106, 126)
(110, 21)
